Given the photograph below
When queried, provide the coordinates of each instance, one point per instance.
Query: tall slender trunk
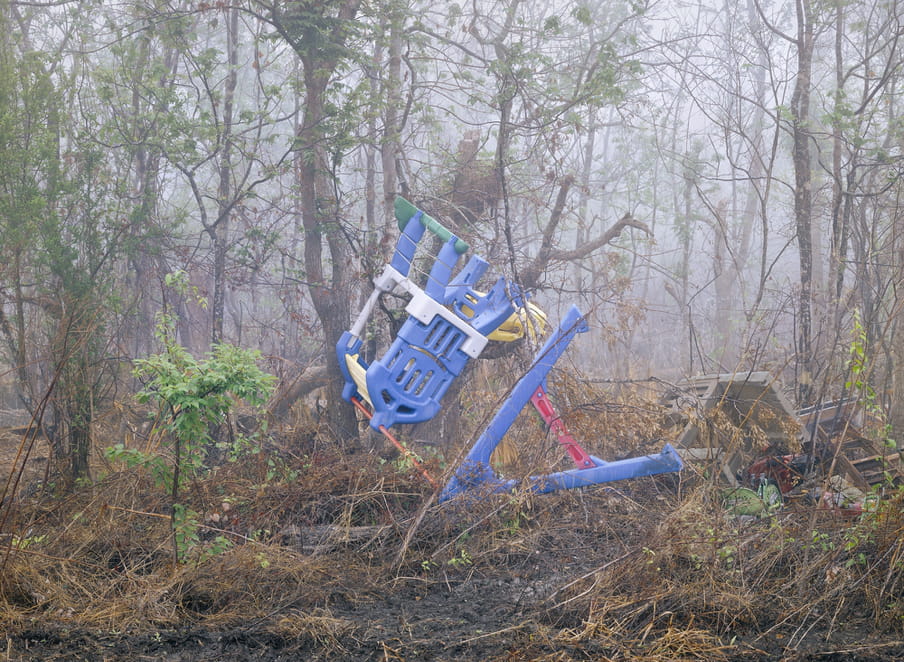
(800, 107)
(389, 143)
(896, 410)
(220, 233)
(581, 235)
(319, 215)
(318, 206)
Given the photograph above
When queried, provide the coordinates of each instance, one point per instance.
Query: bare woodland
(715, 184)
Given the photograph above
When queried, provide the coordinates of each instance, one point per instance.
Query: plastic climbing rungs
(448, 323)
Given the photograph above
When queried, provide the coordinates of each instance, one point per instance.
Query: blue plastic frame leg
(667, 461)
(475, 469)
(476, 472)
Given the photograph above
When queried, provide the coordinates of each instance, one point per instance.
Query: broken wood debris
(728, 421)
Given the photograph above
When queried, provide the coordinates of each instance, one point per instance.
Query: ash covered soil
(348, 557)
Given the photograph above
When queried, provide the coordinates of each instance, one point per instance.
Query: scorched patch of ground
(347, 557)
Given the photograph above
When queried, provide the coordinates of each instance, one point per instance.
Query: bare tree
(320, 34)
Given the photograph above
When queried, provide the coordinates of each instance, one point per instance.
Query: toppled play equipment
(450, 322)
(750, 414)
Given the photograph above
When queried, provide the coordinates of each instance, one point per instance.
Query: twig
(387, 651)
(589, 574)
(857, 649)
(412, 529)
(511, 628)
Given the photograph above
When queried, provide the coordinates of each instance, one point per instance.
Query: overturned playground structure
(450, 322)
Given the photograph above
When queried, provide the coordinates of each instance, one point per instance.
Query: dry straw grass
(652, 569)
(102, 558)
(659, 640)
(97, 581)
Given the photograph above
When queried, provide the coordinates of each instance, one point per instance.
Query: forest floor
(332, 555)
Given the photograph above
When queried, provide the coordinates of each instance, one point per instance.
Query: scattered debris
(865, 463)
(744, 501)
(843, 498)
(741, 428)
(730, 420)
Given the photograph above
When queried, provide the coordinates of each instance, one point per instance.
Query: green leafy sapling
(192, 397)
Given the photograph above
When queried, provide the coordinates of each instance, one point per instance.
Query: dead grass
(318, 626)
(660, 640)
(652, 569)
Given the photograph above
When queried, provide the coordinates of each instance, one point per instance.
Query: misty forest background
(715, 184)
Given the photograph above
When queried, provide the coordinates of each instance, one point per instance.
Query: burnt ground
(344, 557)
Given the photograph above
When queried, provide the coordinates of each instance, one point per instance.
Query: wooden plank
(851, 472)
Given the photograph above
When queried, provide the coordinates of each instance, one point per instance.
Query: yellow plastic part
(533, 321)
(359, 374)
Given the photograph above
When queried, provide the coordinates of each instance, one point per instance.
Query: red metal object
(398, 444)
(544, 407)
(780, 468)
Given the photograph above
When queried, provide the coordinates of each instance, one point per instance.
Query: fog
(751, 150)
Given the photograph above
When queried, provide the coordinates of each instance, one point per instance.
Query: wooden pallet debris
(864, 461)
(729, 420)
(755, 416)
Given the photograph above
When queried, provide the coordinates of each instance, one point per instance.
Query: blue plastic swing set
(450, 322)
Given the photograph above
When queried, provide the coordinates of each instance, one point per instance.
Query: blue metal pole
(476, 472)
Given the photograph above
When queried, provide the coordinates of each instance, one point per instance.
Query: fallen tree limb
(288, 392)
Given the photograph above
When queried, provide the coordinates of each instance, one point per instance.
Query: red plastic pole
(544, 407)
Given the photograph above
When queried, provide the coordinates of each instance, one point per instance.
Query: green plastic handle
(404, 211)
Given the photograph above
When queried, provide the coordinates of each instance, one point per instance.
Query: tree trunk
(320, 220)
(318, 33)
(219, 231)
(389, 144)
(800, 107)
